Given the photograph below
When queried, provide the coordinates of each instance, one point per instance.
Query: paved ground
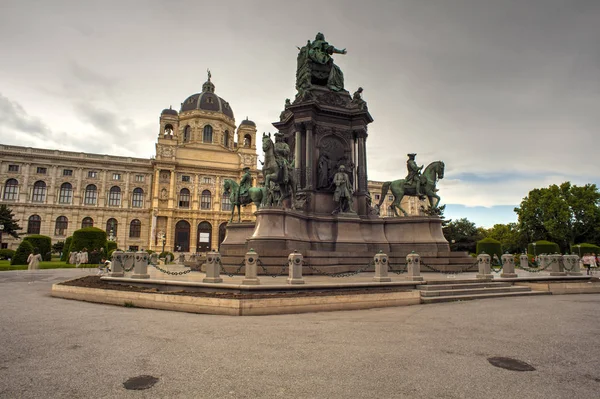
(56, 348)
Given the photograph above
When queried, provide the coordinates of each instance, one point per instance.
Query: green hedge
(543, 247)
(66, 250)
(42, 243)
(110, 246)
(23, 251)
(585, 248)
(88, 238)
(7, 253)
(164, 255)
(489, 246)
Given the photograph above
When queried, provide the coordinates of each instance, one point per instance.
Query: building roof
(207, 100)
(248, 122)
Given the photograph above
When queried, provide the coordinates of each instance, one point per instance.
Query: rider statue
(414, 174)
(282, 156)
(343, 191)
(245, 185)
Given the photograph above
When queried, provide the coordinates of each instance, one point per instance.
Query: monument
(316, 199)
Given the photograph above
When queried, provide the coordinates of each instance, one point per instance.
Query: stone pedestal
(213, 268)
(250, 277)
(140, 267)
(572, 262)
(413, 267)
(381, 261)
(117, 264)
(557, 267)
(483, 261)
(508, 266)
(524, 261)
(295, 263)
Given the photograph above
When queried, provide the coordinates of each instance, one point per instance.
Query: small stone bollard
(524, 260)
(381, 267)
(485, 272)
(168, 259)
(213, 268)
(140, 266)
(573, 264)
(413, 267)
(295, 263)
(508, 266)
(117, 264)
(181, 259)
(544, 261)
(557, 268)
(250, 277)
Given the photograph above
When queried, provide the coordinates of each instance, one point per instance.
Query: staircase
(464, 290)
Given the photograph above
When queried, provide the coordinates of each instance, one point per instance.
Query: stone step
(453, 298)
(473, 291)
(459, 286)
(454, 281)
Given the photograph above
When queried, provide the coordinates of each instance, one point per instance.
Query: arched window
(182, 236)
(111, 227)
(39, 192)
(247, 141)
(187, 133)
(184, 198)
(226, 138)
(65, 194)
(11, 190)
(207, 134)
(34, 224)
(135, 228)
(168, 130)
(91, 195)
(225, 203)
(204, 237)
(114, 196)
(205, 200)
(137, 200)
(62, 223)
(87, 222)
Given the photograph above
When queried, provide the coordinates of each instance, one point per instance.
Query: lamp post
(534, 253)
(111, 235)
(164, 242)
(1, 232)
(578, 249)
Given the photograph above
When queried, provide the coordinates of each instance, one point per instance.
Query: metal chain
(242, 264)
(573, 263)
(340, 274)
(397, 271)
(537, 270)
(121, 261)
(464, 269)
(280, 273)
(181, 273)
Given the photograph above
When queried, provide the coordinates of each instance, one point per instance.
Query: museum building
(173, 201)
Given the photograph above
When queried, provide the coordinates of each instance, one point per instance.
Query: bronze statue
(315, 66)
(254, 195)
(357, 100)
(343, 191)
(245, 184)
(414, 174)
(277, 169)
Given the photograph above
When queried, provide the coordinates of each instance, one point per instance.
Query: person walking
(34, 259)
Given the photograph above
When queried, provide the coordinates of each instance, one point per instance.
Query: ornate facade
(176, 197)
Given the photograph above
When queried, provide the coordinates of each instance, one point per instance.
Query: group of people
(79, 257)
(590, 260)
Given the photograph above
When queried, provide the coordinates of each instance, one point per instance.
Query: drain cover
(510, 364)
(140, 382)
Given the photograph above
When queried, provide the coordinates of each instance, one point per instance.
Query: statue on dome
(316, 66)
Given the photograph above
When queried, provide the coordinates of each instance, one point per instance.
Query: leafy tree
(563, 214)
(462, 235)
(509, 236)
(58, 247)
(7, 218)
(22, 253)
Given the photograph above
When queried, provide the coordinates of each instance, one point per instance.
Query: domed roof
(168, 111)
(207, 100)
(248, 122)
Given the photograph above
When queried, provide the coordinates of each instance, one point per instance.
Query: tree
(462, 235)
(58, 247)
(563, 214)
(509, 236)
(7, 218)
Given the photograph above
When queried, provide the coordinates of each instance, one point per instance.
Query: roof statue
(316, 66)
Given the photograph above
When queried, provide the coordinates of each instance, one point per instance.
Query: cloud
(14, 120)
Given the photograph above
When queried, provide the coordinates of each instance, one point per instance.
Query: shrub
(110, 246)
(489, 246)
(42, 243)
(7, 253)
(66, 250)
(164, 255)
(585, 248)
(58, 247)
(543, 247)
(88, 238)
(23, 251)
(149, 251)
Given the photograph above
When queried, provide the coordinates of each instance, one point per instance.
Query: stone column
(524, 261)
(213, 268)
(381, 261)
(172, 198)
(295, 263)
(508, 266)
(251, 277)
(309, 156)
(362, 162)
(556, 268)
(298, 164)
(154, 186)
(484, 267)
(413, 267)
(117, 264)
(24, 186)
(140, 267)
(573, 264)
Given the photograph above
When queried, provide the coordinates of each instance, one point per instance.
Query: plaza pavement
(56, 348)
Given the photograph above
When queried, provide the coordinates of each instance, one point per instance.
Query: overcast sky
(506, 93)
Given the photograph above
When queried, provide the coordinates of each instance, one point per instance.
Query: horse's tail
(384, 190)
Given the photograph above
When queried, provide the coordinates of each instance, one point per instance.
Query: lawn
(54, 264)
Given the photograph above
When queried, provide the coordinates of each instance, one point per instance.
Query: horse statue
(399, 188)
(255, 195)
(273, 173)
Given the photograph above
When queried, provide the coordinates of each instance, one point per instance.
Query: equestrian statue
(243, 194)
(416, 184)
(279, 176)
